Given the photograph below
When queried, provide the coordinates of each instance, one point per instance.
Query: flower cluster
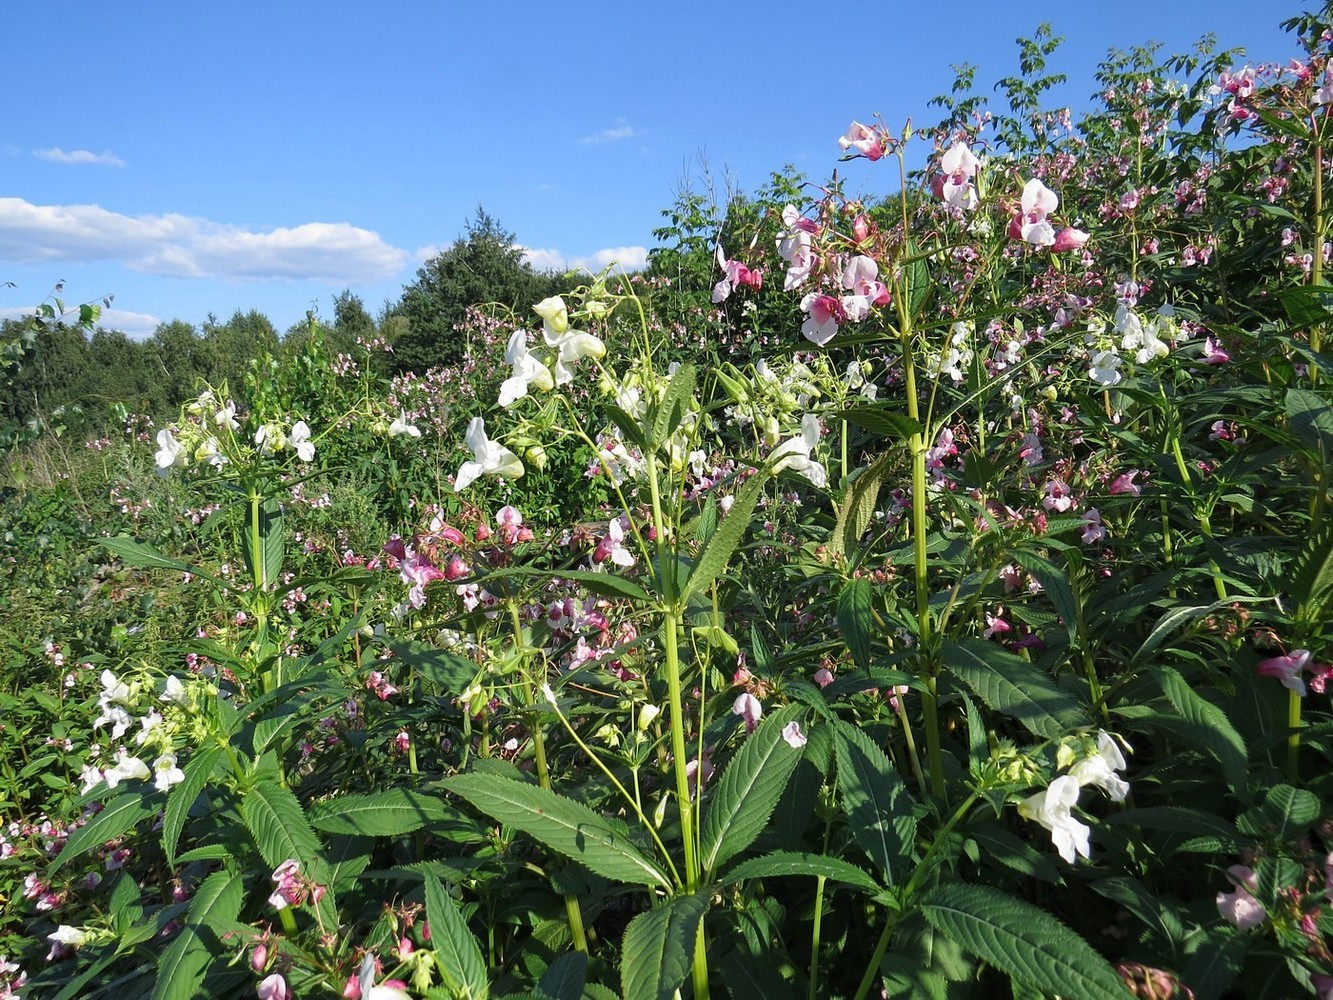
(1053, 807)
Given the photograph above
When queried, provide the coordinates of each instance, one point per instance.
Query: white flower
(270, 438)
(488, 457)
(127, 768)
(528, 370)
(401, 427)
(1051, 809)
(569, 347)
(1100, 769)
(555, 317)
(167, 773)
(300, 440)
(1104, 368)
(67, 935)
(170, 452)
(226, 417)
(794, 453)
(174, 691)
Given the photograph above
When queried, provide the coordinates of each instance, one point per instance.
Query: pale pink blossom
(748, 707)
(791, 732)
(1239, 907)
(273, 987)
(866, 140)
(1038, 201)
(1287, 669)
(1124, 483)
(1069, 239)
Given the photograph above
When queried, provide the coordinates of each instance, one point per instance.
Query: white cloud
(188, 246)
(57, 155)
(132, 324)
(628, 258)
(621, 130)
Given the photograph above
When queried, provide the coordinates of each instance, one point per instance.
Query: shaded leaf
(658, 948)
(878, 807)
(1009, 684)
(456, 949)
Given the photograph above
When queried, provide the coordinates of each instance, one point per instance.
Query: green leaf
(133, 553)
(389, 813)
(121, 814)
(1214, 727)
(675, 403)
(279, 827)
(565, 978)
(714, 556)
(1285, 815)
(1055, 584)
(1135, 897)
(801, 863)
(659, 946)
(274, 540)
(183, 796)
(749, 790)
(1312, 576)
(858, 507)
(198, 945)
(1311, 419)
(878, 807)
(1007, 683)
(880, 420)
(1168, 623)
(567, 827)
(456, 949)
(854, 602)
(449, 671)
(1017, 938)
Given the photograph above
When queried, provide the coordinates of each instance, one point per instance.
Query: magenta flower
(737, 275)
(1287, 669)
(1213, 352)
(1124, 483)
(868, 141)
(1069, 239)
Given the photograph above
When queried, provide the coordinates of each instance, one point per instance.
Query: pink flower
(959, 166)
(791, 732)
(274, 987)
(869, 142)
(737, 275)
(749, 708)
(1058, 499)
(825, 313)
(823, 677)
(1124, 483)
(1069, 239)
(612, 546)
(1094, 531)
(1239, 907)
(290, 891)
(1214, 353)
(1287, 669)
(1038, 201)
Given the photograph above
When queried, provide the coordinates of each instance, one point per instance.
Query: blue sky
(203, 158)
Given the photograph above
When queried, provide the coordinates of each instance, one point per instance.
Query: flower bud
(647, 714)
(536, 457)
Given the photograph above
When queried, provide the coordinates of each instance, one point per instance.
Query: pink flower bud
(1069, 239)
(259, 957)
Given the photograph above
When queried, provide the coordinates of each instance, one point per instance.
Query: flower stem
(1293, 734)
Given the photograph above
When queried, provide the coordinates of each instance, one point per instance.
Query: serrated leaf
(1220, 737)
(1018, 938)
(858, 507)
(198, 945)
(675, 402)
(749, 790)
(1134, 896)
(1009, 684)
(714, 556)
(1168, 623)
(880, 420)
(1311, 419)
(1174, 819)
(451, 672)
(782, 863)
(658, 948)
(1055, 584)
(279, 827)
(1213, 965)
(183, 795)
(119, 816)
(389, 813)
(456, 949)
(133, 553)
(1287, 813)
(565, 978)
(877, 804)
(567, 827)
(1312, 576)
(854, 619)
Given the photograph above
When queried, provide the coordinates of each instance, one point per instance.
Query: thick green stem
(1293, 734)
(572, 909)
(814, 938)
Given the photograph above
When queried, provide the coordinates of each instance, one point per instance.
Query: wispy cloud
(57, 155)
(620, 130)
(545, 259)
(188, 246)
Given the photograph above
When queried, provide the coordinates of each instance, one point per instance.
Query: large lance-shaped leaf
(133, 553)
(1007, 683)
(565, 826)
(565, 978)
(182, 796)
(384, 814)
(1018, 938)
(1055, 584)
(659, 946)
(275, 820)
(715, 555)
(675, 403)
(858, 507)
(199, 944)
(854, 618)
(878, 807)
(799, 863)
(121, 814)
(1312, 576)
(1311, 420)
(456, 948)
(749, 790)
(1212, 724)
